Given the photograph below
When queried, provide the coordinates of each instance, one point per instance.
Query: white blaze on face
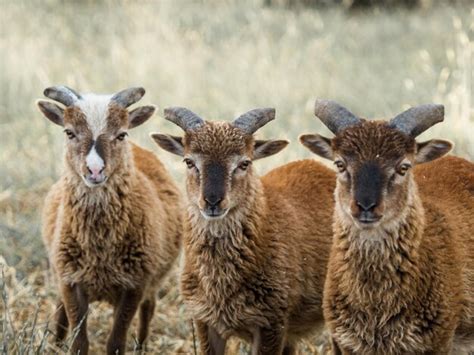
(94, 162)
(95, 108)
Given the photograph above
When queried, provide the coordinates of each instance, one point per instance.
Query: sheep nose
(366, 206)
(95, 171)
(213, 201)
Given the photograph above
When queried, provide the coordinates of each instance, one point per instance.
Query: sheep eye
(403, 168)
(69, 134)
(244, 165)
(341, 167)
(190, 164)
(122, 136)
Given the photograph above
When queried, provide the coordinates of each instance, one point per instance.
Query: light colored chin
(88, 184)
(213, 218)
(367, 226)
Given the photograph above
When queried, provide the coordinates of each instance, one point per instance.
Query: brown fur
(406, 286)
(258, 272)
(113, 243)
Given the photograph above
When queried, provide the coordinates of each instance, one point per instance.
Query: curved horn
(128, 96)
(334, 116)
(62, 94)
(416, 120)
(183, 117)
(251, 121)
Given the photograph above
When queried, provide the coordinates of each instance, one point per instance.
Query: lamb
(401, 270)
(255, 250)
(112, 224)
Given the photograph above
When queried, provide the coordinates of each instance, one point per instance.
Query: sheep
(255, 250)
(111, 223)
(401, 270)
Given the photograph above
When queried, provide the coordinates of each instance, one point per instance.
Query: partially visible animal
(112, 223)
(255, 249)
(401, 270)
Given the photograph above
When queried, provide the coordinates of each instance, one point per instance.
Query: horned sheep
(255, 249)
(401, 270)
(112, 224)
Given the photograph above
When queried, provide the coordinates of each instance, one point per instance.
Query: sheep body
(265, 265)
(125, 236)
(409, 288)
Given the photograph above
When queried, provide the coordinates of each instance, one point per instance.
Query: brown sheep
(255, 250)
(401, 271)
(112, 223)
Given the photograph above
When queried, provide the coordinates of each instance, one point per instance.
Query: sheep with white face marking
(112, 222)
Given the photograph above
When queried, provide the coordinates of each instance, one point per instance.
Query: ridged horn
(334, 116)
(128, 96)
(184, 118)
(252, 120)
(62, 94)
(418, 119)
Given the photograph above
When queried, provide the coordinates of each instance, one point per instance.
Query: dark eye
(190, 164)
(403, 168)
(341, 167)
(122, 136)
(69, 133)
(244, 165)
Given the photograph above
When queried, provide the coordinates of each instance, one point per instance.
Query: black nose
(213, 201)
(367, 206)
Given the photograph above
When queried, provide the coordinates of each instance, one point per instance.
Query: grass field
(219, 58)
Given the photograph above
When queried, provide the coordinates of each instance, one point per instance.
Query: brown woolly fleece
(112, 243)
(258, 273)
(408, 288)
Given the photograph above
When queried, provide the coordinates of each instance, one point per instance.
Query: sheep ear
(318, 145)
(169, 143)
(264, 148)
(140, 115)
(431, 150)
(51, 111)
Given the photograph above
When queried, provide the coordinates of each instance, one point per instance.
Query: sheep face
(218, 156)
(96, 129)
(374, 158)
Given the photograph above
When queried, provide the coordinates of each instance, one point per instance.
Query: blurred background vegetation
(219, 58)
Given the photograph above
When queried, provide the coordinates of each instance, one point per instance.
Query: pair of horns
(249, 122)
(412, 122)
(69, 97)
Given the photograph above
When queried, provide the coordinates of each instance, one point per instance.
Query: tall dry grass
(220, 59)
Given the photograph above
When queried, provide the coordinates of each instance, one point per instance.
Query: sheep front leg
(76, 304)
(125, 309)
(62, 323)
(211, 343)
(269, 341)
(147, 308)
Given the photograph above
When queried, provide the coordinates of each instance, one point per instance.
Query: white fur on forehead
(95, 108)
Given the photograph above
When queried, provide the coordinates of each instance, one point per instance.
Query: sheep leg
(125, 309)
(62, 323)
(289, 349)
(211, 343)
(269, 341)
(147, 308)
(336, 350)
(76, 305)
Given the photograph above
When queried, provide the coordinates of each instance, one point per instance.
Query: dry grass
(220, 59)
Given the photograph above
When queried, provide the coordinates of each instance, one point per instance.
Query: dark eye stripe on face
(100, 146)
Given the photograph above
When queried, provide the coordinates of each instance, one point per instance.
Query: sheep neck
(383, 259)
(96, 209)
(233, 236)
